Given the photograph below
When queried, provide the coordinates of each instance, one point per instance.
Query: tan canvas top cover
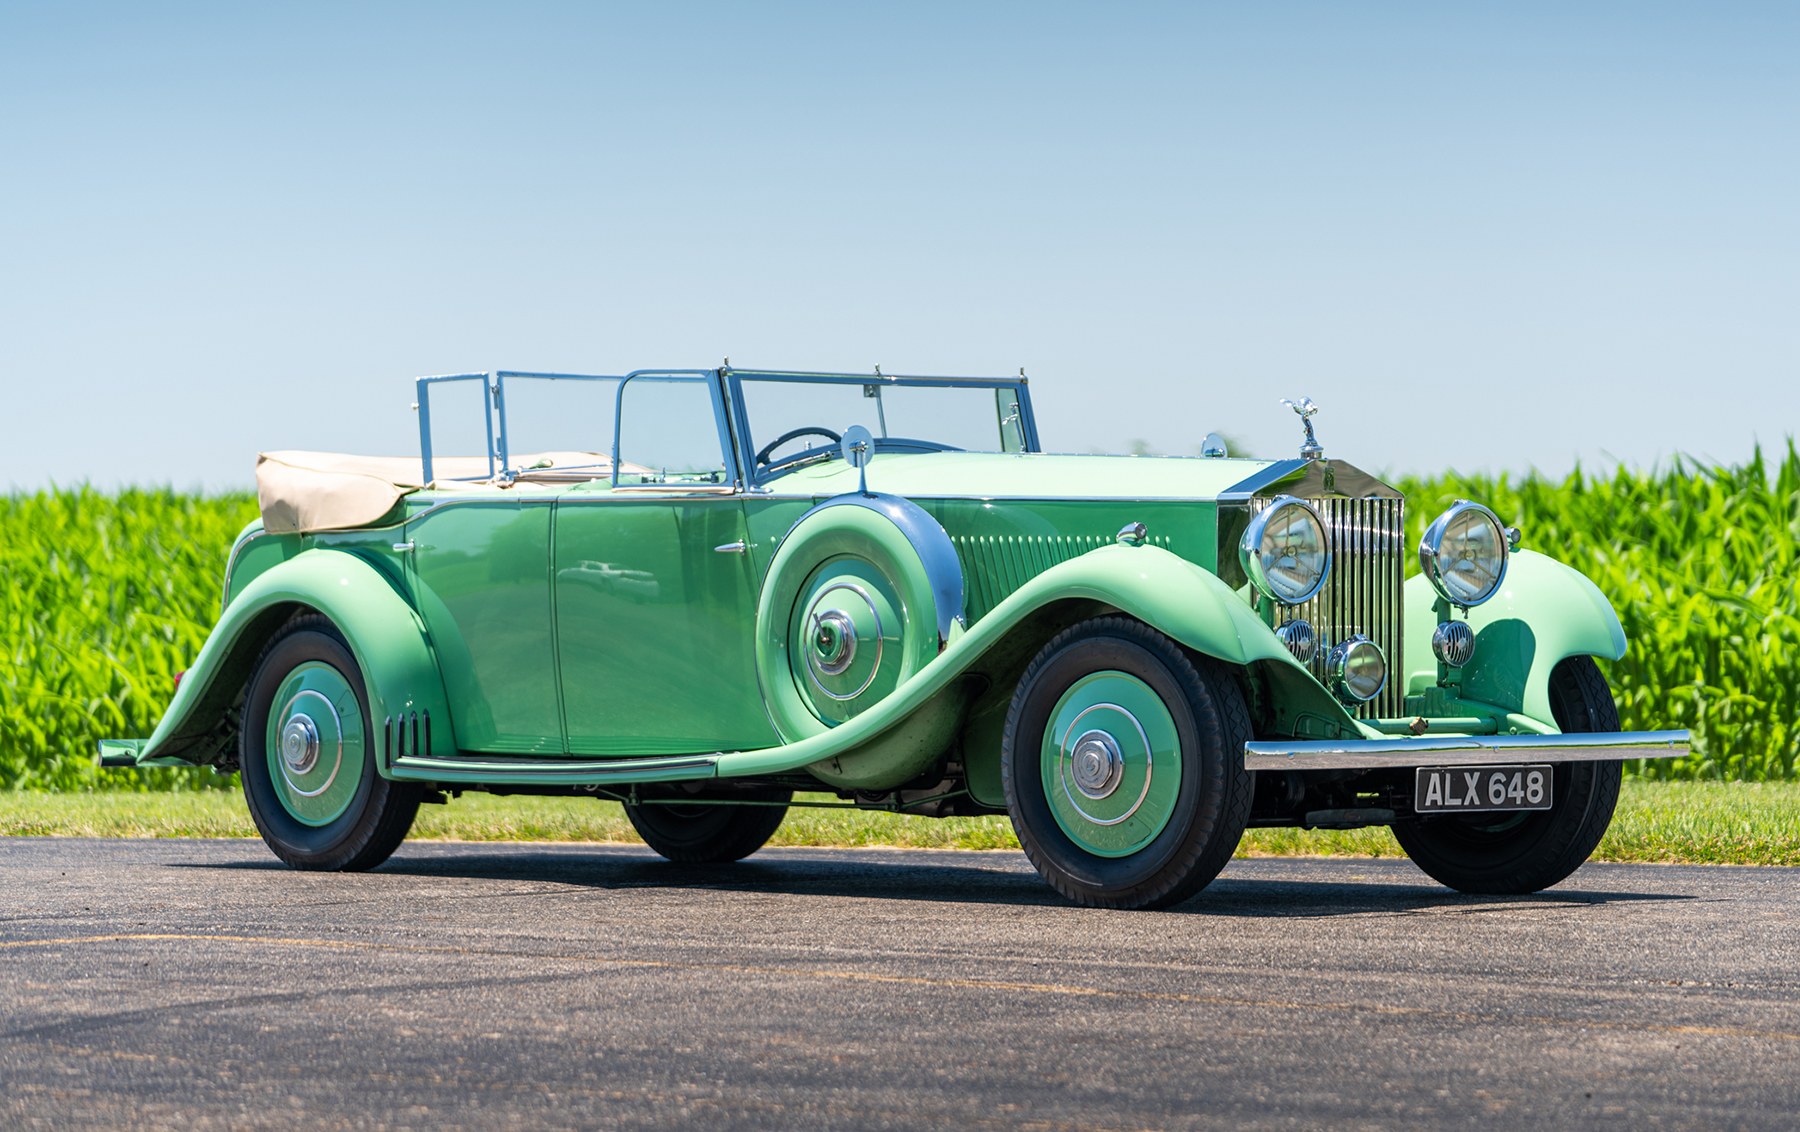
(325, 491)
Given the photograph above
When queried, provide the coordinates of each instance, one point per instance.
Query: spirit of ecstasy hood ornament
(1311, 449)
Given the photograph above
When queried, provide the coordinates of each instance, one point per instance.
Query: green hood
(1030, 475)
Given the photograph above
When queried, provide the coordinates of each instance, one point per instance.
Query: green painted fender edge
(1544, 613)
(384, 633)
(1159, 588)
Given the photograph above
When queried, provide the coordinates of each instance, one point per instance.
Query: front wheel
(1512, 854)
(1123, 765)
(308, 755)
(698, 831)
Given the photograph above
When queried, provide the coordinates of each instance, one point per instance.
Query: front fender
(1194, 607)
(1159, 588)
(385, 634)
(1544, 613)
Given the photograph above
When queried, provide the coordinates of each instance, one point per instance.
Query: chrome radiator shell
(1365, 524)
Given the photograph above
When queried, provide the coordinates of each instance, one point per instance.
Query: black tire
(704, 833)
(376, 816)
(1206, 817)
(1513, 854)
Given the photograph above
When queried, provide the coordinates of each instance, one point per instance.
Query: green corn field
(107, 596)
(1702, 563)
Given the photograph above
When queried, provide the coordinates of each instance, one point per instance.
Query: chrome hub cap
(315, 743)
(834, 642)
(308, 775)
(844, 624)
(1111, 764)
(1098, 765)
(300, 743)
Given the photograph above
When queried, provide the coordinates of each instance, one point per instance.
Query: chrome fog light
(1463, 554)
(1300, 639)
(1453, 643)
(1357, 669)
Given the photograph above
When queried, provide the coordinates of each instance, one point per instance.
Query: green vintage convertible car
(701, 591)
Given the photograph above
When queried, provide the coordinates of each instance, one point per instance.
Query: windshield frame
(735, 380)
(503, 468)
(730, 416)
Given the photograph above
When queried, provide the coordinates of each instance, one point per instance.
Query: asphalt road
(198, 984)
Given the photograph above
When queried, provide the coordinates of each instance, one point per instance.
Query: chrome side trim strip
(560, 770)
(1464, 750)
(635, 493)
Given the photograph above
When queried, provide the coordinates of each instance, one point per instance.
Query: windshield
(796, 419)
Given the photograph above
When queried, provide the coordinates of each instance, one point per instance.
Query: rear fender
(385, 634)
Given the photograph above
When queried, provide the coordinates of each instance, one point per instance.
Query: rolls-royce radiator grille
(1362, 594)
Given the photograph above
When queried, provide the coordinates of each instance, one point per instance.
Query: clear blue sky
(1480, 236)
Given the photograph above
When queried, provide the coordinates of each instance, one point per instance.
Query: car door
(654, 591)
(480, 575)
(655, 613)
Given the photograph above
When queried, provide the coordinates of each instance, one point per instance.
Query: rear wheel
(308, 754)
(1524, 852)
(694, 831)
(1123, 765)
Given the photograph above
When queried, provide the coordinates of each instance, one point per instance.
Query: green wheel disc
(315, 744)
(848, 635)
(1111, 760)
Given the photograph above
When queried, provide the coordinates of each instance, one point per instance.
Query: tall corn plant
(105, 598)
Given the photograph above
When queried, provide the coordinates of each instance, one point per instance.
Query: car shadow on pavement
(1277, 888)
(809, 873)
(1308, 898)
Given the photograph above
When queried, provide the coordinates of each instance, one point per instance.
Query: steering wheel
(762, 457)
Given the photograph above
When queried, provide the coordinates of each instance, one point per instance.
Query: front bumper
(1464, 750)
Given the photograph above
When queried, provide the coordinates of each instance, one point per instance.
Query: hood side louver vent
(996, 565)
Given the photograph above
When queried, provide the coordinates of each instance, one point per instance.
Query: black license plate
(1475, 789)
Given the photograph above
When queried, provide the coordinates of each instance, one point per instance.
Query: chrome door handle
(730, 548)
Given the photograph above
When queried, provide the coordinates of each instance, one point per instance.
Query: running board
(489, 769)
(1464, 750)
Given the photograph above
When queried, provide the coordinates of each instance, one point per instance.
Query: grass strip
(1713, 823)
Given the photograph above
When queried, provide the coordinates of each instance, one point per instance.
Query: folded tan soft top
(325, 491)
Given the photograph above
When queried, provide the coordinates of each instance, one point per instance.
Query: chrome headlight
(1284, 553)
(1464, 554)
